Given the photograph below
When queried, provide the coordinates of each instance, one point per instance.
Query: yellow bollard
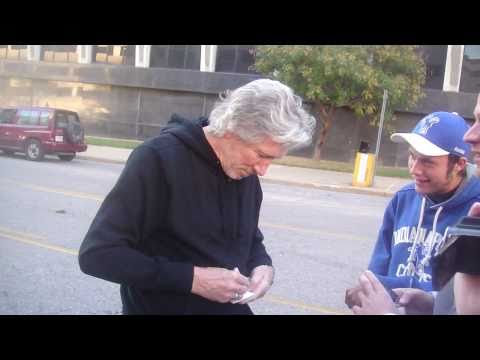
(363, 171)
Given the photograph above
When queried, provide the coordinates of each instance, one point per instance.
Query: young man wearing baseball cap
(443, 190)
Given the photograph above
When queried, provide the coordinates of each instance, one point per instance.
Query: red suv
(37, 131)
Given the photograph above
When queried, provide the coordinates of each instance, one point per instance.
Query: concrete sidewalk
(321, 179)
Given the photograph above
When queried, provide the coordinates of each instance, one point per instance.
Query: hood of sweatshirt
(468, 190)
(190, 132)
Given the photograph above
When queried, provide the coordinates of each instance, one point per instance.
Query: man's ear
(461, 164)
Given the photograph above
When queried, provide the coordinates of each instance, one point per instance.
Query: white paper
(246, 295)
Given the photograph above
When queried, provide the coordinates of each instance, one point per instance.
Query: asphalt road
(319, 240)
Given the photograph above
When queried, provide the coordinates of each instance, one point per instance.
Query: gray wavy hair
(263, 108)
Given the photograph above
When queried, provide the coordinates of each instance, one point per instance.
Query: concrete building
(130, 91)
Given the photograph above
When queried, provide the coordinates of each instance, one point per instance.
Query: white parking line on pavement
(99, 198)
(33, 240)
(41, 242)
(76, 194)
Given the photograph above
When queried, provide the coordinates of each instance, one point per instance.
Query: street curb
(336, 188)
(104, 160)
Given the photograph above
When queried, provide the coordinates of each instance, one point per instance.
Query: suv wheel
(66, 157)
(34, 150)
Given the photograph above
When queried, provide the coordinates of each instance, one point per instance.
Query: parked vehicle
(36, 131)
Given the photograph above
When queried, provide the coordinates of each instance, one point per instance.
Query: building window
(114, 54)
(13, 52)
(175, 56)
(59, 53)
(470, 78)
(235, 58)
(435, 57)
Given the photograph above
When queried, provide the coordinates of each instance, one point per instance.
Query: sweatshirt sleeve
(382, 252)
(258, 253)
(111, 247)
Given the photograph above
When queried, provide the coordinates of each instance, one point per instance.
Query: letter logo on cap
(429, 122)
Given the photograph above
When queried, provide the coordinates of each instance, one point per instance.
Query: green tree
(352, 76)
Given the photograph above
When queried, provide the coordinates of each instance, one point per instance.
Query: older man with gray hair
(179, 231)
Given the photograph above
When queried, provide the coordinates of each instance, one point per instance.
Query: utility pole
(380, 128)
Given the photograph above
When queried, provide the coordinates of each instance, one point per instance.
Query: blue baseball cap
(439, 133)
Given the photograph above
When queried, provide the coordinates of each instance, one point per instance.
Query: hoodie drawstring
(410, 260)
(417, 235)
(411, 268)
(425, 261)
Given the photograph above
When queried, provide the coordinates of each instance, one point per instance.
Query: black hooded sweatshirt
(172, 208)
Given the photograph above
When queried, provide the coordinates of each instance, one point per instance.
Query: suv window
(44, 116)
(34, 117)
(73, 118)
(29, 117)
(61, 121)
(7, 116)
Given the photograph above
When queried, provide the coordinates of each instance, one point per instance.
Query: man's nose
(473, 134)
(262, 167)
(415, 167)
